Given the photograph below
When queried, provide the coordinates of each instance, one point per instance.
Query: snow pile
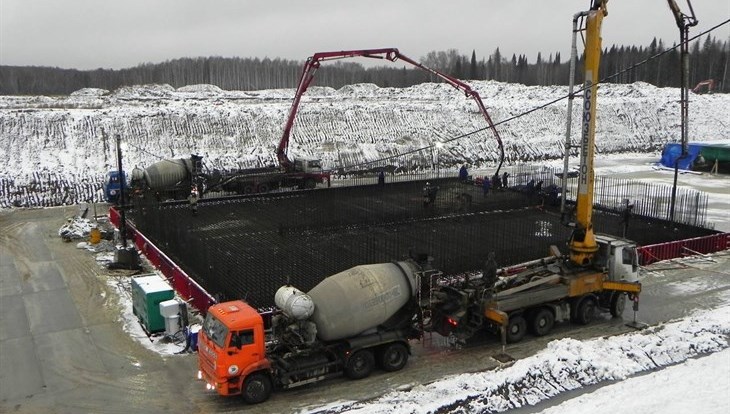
(145, 92)
(678, 389)
(76, 228)
(72, 138)
(202, 89)
(565, 364)
(95, 92)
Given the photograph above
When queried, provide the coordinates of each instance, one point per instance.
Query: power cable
(545, 105)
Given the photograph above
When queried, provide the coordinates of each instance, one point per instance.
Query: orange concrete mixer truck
(345, 325)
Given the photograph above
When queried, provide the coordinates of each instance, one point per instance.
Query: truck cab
(618, 257)
(113, 186)
(308, 165)
(232, 353)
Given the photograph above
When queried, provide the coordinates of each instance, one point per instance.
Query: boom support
(583, 242)
(391, 54)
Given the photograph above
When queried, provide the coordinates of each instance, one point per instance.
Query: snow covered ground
(70, 141)
(668, 365)
(568, 364)
(675, 367)
(700, 385)
(642, 167)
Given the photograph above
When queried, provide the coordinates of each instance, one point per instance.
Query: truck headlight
(233, 370)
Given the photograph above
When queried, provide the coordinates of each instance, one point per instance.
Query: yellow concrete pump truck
(367, 316)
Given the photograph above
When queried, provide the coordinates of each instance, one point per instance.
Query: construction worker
(193, 200)
(463, 173)
(489, 273)
(429, 194)
(486, 185)
(496, 182)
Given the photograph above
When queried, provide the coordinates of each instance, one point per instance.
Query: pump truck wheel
(585, 310)
(516, 329)
(393, 357)
(618, 304)
(360, 364)
(542, 322)
(256, 388)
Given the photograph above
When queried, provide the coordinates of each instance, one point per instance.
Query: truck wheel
(516, 329)
(256, 388)
(393, 357)
(360, 365)
(247, 189)
(542, 322)
(585, 311)
(263, 188)
(618, 304)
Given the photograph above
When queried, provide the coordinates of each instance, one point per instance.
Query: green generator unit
(147, 293)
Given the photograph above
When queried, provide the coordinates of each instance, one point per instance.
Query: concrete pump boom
(391, 54)
(583, 241)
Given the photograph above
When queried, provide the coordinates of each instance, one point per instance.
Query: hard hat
(427, 183)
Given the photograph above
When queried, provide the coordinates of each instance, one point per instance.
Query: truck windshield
(215, 330)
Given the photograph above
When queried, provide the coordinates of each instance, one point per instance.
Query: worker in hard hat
(193, 200)
(429, 194)
(489, 273)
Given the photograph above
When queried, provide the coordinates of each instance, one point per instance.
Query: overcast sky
(90, 34)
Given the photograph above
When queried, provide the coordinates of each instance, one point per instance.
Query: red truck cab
(232, 353)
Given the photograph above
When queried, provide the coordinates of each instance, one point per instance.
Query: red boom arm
(390, 54)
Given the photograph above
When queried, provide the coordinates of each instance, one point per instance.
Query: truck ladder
(426, 276)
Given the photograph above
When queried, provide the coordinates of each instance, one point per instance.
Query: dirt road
(63, 349)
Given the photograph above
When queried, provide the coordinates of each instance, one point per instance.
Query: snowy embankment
(56, 150)
(565, 365)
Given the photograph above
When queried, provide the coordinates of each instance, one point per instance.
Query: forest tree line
(708, 60)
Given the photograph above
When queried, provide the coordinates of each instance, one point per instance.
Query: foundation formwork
(248, 246)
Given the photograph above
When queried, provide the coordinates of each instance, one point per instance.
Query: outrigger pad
(637, 325)
(125, 259)
(503, 358)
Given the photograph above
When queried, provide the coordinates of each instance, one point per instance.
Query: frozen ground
(642, 167)
(568, 364)
(662, 368)
(71, 140)
(60, 148)
(700, 385)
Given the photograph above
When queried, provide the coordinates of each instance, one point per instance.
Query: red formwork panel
(184, 285)
(671, 250)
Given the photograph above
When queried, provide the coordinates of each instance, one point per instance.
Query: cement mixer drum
(361, 298)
